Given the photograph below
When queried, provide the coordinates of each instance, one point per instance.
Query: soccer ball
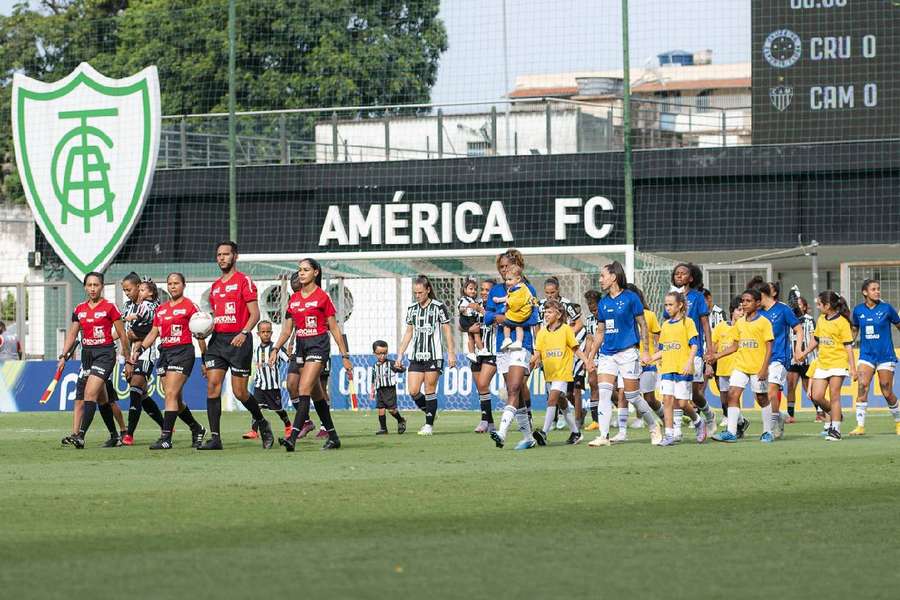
(201, 324)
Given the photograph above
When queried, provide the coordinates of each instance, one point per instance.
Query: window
(703, 101)
(477, 149)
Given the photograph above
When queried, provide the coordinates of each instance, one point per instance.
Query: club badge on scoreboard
(781, 96)
(782, 48)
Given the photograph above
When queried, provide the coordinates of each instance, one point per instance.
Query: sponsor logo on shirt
(749, 344)
(232, 287)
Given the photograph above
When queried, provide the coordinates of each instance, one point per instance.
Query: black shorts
(312, 349)
(578, 381)
(465, 323)
(270, 399)
(176, 359)
(99, 361)
(802, 369)
(386, 397)
(220, 354)
(426, 366)
(144, 364)
(484, 360)
(111, 394)
(293, 367)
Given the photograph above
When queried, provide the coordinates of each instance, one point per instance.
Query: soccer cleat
(700, 432)
(127, 440)
(425, 430)
(743, 426)
(540, 437)
(112, 442)
(620, 437)
(78, 441)
(287, 430)
(858, 431)
(66, 441)
(767, 437)
(482, 427)
(599, 441)
(197, 436)
(304, 429)
(321, 433)
(561, 421)
(667, 440)
(725, 436)
(161, 444)
(265, 434)
(526, 444)
(250, 435)
(401, 426)
(574, 438)
(381, 432)
(213, 443)
(592, 427)
(678, 437)
(472, 358)
(498, 439)
(824, 432)
(656, 436)
(332, 443)
(833, 435)
(289, 443)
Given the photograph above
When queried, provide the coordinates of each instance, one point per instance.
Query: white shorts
(648, 382)
(626, 363)
(699, 370)
(513, 358)
(739, 379)
(681, 390)
(723, 383)
(885, 366)
(559, 386)
(826, 373)
(777, 374)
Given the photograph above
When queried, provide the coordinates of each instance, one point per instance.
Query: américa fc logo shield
(86, 149)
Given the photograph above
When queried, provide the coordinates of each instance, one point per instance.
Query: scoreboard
(825, 70)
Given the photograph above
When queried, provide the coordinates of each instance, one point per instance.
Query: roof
(542, 92)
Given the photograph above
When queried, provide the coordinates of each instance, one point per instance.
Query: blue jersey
(494, 312)
(874, 324)
(618, 316)
(783, 321)
(695, 307)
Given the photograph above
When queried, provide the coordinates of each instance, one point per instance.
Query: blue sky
(547, 36)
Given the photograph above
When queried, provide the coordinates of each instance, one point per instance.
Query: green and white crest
(86, 150)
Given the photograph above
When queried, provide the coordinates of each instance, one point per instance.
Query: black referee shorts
(99, 361)
(176, 359)
(220, 354)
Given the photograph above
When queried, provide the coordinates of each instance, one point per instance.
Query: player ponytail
(615, 269)
(315, 266)
(132, 278)
(836, 302)
(771, 289)
(426, 283)
(756, 283)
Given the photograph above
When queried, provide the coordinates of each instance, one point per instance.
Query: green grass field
(446, 517)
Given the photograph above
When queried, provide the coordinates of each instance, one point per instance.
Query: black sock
(252, 407)
(419, 399)
(396, 414)
(214, 414)
(595, 415)
(325, 417)
(188, 417)
(283, 415)
(296, 403)
(168, 424)
(486, 413)
(254, 425)
(108, 419)
(302, 416)
(152, 410)
(382, 420)
(134, 409)
(90, 408)
(790, 409)
(430, 408)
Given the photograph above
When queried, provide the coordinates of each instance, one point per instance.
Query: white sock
(570, 419)
(524, 423)
(506, 419)
(775, 417)
(670, 432)
(734, 415)
(861, 413)
(895, 410)
(677, 415)
(549, 418)
(836, 425)
(605, 407)
(641, 407)
(767, 418)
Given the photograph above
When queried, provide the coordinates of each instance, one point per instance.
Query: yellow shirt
(723, 335)
(675, 343)
(557, 351)
(519, 304)
(832, 335)
(652, 329)
(752, 337)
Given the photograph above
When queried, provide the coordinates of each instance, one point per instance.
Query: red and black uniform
(310, 315)
(176, 346)
(98, 354)
(229, 300)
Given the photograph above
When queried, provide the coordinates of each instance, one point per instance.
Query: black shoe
(540, 437)
(574, 438)
(332, 443)
(67, 441)
(743, 426)
(833, 435)
(265, 434)
(401, 426)
(112, 442)
(161, 444)
(497, 439)
(213, 443)
(381, 432)
(288, 443)
(197, 437)
(78, 441)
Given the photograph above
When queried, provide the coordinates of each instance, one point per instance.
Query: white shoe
(426, 430)
(599, 441)
(472, 358)
(483, 352)
(678, 437)
(505, 344)
(561, 423)
(655, 436)
(620, 437)
(516, 345)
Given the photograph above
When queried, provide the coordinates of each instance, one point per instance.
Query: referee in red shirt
(233, 299)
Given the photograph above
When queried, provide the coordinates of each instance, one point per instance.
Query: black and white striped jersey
(808, 325)
(268, 377)
(145, 312)
(716, 316)
(384, 375)
(427, 335)
(581, 338)
(488, 336)
(590, 324)
(567, 307)
(462, 307)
